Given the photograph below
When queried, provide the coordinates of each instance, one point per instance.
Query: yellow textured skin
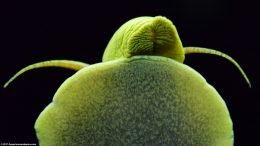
(141, 94)
(142, 100)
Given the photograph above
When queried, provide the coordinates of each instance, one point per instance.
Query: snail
(140, 94)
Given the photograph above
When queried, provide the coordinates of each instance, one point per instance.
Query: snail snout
(153, 38)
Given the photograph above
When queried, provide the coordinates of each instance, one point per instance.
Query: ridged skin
(155, 36)
(143, 100)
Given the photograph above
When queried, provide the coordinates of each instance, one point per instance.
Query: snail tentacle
(69, 64)
(190, 50)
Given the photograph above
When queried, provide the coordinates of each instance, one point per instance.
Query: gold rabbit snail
(140, 94)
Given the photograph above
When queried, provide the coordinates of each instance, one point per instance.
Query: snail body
(141, 94)
(133, 102)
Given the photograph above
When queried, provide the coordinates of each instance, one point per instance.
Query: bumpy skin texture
(142, 100)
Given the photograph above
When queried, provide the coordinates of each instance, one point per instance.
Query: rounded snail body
(141, 94)
(137, 101)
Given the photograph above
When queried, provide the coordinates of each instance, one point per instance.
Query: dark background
(37, 31)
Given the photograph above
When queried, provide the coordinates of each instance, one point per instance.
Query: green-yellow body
(136, 101)
(141, 94)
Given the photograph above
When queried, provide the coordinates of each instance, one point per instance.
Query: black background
(37, 31)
